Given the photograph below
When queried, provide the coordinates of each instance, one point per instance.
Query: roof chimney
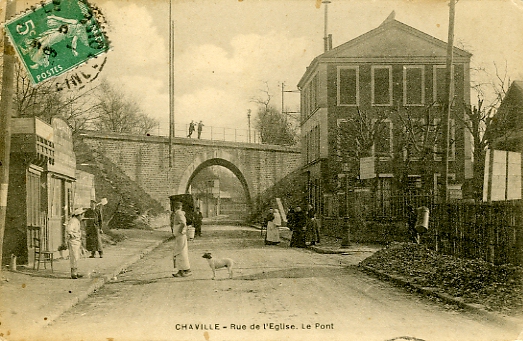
(391, 17)
(327, 38)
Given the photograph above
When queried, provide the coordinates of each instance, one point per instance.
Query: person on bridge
(272, 237)
(200, 128)
(191, 128)
(73, 235)
(198, 218)
(181, 250)
(93, 230)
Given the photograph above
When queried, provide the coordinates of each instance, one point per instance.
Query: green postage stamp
(56, 37)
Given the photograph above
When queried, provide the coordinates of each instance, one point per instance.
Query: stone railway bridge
(145, 160)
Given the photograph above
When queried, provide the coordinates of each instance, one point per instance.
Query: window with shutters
(382, 147)
(348, 86)
(413, 85)
(381, 85)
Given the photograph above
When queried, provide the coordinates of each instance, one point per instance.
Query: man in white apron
(181, 250)
(73, 234)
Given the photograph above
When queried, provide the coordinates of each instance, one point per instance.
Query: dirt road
(277, 293)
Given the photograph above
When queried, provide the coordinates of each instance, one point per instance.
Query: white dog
(218, 264)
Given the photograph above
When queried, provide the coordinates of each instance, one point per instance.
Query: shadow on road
(301, 272)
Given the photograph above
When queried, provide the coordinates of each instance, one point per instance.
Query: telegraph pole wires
(449, 96)
(6, 111)
(171, 95)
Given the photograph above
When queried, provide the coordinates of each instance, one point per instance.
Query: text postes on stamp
(56, 37)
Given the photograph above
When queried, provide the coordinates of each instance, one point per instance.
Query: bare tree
(273, 125)
(101, 107)
(30, 101)
(146, 124)
(419, 143)
(46, 101)
(118, 113)
(484, 123)
(357, 134)
(80, 110)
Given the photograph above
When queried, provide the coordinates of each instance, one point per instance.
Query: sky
(229, 52)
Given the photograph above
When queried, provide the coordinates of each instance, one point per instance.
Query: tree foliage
(274, 126)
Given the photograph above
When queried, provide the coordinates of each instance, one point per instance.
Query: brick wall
(146, 161)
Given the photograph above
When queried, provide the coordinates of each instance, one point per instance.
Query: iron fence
(213, 133)
(379, 206)
(489, 231)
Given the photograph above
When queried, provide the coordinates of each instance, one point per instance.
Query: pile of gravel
(497, 288)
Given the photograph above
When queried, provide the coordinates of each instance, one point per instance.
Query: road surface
(278, 293)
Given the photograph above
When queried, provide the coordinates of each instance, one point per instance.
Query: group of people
(93, 228)
(195, 126)
(303, 224)
(93, 233)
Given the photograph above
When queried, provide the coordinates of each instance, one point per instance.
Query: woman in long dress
(93, 229)
(181, 250)
(313, 232)
(298, 228)
(272, 237)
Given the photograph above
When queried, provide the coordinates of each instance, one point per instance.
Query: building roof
(507, 123)
(390, 41)
(512, 103)
(518, 85)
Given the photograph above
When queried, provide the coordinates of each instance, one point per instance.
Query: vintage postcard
(261, 170)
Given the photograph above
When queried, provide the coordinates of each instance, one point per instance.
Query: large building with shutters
(371, 113)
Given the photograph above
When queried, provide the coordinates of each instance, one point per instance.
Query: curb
(317, 249)
(458, 301)
(100, 281)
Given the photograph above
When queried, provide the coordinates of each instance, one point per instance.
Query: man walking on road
(198, 218)
(181, 250)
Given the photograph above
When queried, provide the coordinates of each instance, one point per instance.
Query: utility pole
(6, 111)
(282, 91)
(283, 112)
(249, 124)
(449, 87)
(171, 96)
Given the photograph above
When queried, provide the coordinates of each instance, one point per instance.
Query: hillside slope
(129, 205)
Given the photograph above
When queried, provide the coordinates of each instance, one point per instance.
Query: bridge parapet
(145, 160)
(187, 141)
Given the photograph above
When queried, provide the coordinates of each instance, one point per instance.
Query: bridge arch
(217, 158)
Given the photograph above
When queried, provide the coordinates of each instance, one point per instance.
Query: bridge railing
(213, 133)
